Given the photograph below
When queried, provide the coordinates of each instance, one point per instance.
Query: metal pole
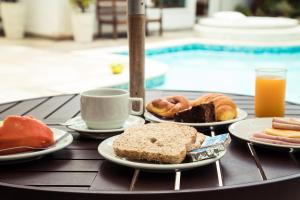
(136, 37)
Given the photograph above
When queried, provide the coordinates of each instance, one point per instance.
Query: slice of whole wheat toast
(157, 142)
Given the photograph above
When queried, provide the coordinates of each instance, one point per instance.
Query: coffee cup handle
(141, 106)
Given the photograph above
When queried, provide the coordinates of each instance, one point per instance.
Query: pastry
(225, 108)
(197, 114)
(24, 131)
(158, 142)
(169, 106)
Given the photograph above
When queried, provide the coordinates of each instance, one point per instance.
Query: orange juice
(270, 96)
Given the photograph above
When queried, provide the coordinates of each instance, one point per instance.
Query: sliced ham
(287, 120)
(284, 131)
(286, 123)
(286, 126)
(276, 139)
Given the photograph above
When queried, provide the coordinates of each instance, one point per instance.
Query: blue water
(225, 68)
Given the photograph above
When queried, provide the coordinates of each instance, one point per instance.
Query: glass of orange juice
(270, 87)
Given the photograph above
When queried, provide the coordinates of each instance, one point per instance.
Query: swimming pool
(225, 68)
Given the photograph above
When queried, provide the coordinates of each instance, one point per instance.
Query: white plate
(244, 130)
(106, 150)
(241, 114)
(35, 154)
(80, 126)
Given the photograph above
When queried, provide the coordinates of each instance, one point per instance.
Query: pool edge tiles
(226, 48)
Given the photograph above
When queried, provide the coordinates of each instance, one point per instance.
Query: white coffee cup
(107, 108)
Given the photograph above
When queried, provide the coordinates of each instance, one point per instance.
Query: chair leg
(160, 28)
(100, 30)
(147, 29)
(115, 32)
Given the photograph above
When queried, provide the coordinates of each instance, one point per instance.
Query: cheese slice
(282, 133)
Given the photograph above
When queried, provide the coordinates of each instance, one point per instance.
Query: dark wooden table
(79, 172)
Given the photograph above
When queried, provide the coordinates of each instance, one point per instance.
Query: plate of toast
(272, 132)
(212, 109)
(156, 147)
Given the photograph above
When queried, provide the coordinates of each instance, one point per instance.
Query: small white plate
(65, 141)
(80, 126)
(241, 114)
(105, 148)
(244, 130)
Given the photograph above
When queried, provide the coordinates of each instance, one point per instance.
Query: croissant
(225, 107)
(168, 106)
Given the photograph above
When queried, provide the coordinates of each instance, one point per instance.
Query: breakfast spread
(210, 107)
(158, 142)
(284, 131)
(19, 131)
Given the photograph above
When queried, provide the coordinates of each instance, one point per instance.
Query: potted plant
(83, 20)
(13, 14)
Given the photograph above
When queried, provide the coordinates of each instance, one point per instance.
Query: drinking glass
(270, 88)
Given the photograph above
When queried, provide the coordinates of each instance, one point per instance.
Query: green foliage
(243, 9)
(11, 1)
(277, 8)
(169, 3)
(83, 5)
(286, 8)
(283, 8)
(260, 12)
(296, 6)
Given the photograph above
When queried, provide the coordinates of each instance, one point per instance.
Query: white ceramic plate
(106, 150)
(35, 154)
(80, 126)
(240, 116)
(244, 130)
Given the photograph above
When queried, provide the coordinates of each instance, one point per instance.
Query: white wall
(49, 18)
(52, 18)
(176, 18)
(224, 5)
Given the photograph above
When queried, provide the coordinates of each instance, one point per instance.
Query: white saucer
(79, 125)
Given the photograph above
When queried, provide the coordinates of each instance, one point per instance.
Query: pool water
(225, 68)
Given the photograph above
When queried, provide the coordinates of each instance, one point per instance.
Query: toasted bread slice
(157, 142)
(199, 140)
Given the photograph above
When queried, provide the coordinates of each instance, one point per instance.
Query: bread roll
(225, 107)
(169, 106)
